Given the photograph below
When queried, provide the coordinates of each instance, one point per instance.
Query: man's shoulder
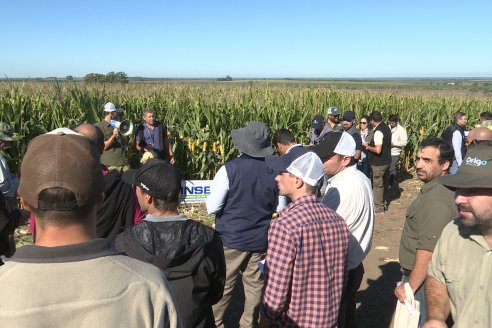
(305, 213)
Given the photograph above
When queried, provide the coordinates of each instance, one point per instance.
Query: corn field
(201, 116)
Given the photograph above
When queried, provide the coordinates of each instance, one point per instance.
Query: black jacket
(116, 212)
(192, 258)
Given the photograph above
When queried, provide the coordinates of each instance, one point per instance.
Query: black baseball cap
(348, 116)
(317, 122)
(156, 178)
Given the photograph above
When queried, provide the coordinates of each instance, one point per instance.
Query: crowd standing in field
(300, 264)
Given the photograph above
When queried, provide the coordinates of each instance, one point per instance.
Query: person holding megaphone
(114, 155)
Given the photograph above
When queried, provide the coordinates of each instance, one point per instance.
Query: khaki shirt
(426, 217)
(462, 261)
(115, 155)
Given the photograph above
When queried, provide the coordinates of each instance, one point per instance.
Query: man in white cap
(243, 198)
(114, 155)
(348, 193)
(459, 276)
(307, 249)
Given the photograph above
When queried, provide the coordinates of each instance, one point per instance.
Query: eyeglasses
(363, 122)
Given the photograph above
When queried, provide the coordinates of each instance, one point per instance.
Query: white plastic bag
(407, 314)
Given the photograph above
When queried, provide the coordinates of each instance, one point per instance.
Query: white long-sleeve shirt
(457, 143)
(399, 139)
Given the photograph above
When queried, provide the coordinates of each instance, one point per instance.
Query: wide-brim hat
(253, 139)
(475, 170)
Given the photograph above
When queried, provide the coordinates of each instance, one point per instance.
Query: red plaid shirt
(305, 265)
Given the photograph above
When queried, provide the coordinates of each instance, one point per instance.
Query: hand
(400, 292)
(365, 145)
(171, 159)
(115, 133)
(433, 323)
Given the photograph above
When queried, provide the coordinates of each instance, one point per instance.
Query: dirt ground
(375, 300)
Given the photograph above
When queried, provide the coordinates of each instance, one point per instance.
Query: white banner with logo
(194, 191)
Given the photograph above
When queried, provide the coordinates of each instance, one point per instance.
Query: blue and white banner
(195, 191)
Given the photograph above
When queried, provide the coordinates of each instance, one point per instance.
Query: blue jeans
(419, 296)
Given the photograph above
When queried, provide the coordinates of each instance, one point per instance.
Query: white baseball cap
(110, 107)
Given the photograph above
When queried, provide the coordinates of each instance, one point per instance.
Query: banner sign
(194, 191)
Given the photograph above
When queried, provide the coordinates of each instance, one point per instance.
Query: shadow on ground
(376, 301)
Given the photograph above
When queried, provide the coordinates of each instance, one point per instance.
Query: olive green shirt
(115, 155)
(462, 261)
(426, 217)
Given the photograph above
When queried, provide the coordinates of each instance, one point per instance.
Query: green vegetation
(201, 115)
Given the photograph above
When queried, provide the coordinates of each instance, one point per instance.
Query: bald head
(93, 133)
(479, 134)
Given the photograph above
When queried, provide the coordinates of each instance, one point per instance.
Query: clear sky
(203, 38)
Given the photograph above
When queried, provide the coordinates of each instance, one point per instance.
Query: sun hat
(333, 111)
(340, 143)
(61, 160)
(253, 139)
(6, 132)
(110, 107)
(317, 122)
(156, 178)
(299, 162)
(475, 170)
(348, 116)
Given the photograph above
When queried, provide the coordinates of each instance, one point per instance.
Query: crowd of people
(111, 248)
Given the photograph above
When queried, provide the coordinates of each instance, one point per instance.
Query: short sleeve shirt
(462, 261)
(115, 155)
(426, 217)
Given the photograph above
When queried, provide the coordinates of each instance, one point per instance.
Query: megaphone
(125, 126)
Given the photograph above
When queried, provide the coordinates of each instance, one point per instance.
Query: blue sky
(321, 39)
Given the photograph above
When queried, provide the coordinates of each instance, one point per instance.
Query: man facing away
(399, 139)
(307, 250)
(151, 136)
(349, 194)
(455, 135)
(284, 141)
(189, 253)
(114, 155)
(379, 158)
(243, 198)
(459, 276)
(426, 217)
(68, 278)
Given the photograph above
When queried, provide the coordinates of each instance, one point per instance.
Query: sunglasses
(363, 122)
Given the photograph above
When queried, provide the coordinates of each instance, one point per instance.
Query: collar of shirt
(300, 200)
(343, 175)
(428, 186)
(158, 218)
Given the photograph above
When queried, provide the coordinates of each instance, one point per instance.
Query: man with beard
(459, 277)
(349, 126)
(426, 217)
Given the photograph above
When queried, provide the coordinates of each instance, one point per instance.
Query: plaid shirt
(305, 265)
